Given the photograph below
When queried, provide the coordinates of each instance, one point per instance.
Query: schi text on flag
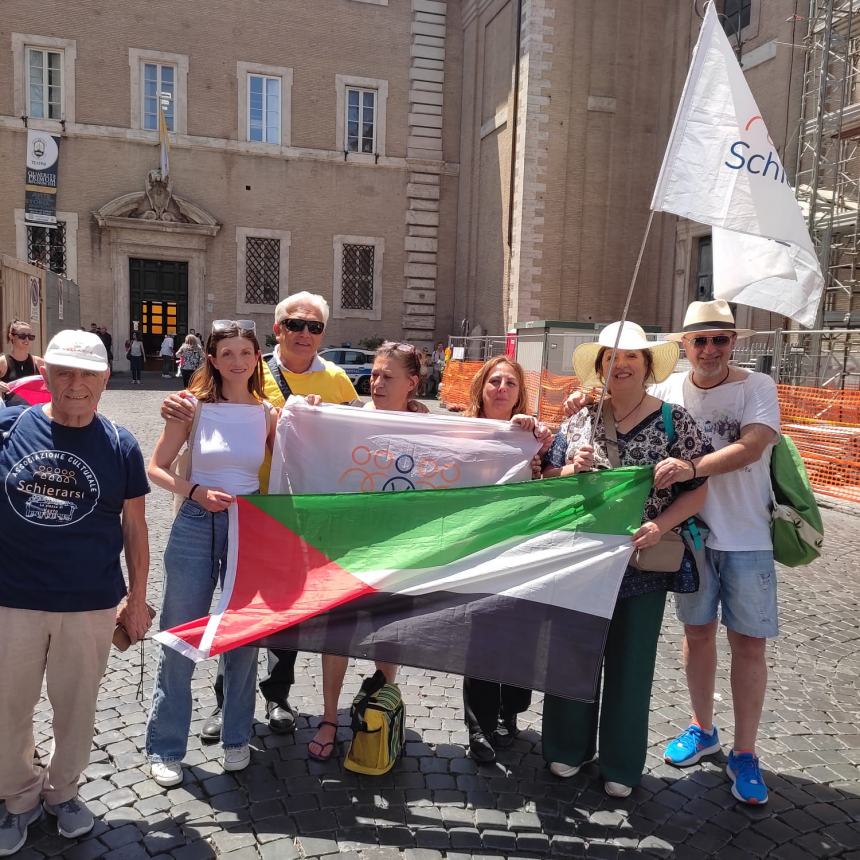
(721, 168)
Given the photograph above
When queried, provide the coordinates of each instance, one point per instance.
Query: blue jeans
(194, 560)
(744, 583)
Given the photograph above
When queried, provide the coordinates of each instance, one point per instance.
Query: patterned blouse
(646, 444)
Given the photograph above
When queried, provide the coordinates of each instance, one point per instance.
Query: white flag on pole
(366, 450)
(721, 168)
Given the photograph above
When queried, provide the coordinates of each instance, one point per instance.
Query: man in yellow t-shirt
(294, 367)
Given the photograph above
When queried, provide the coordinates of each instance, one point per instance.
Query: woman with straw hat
(631, 428)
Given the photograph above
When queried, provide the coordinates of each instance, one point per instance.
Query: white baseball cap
(80, 349)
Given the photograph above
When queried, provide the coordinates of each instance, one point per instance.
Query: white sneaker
(616, 789)
(166, 773)
(237, 758)
(565, 771)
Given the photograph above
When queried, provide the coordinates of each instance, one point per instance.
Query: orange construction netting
(823, 423)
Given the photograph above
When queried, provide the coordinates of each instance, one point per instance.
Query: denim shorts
(744, 582)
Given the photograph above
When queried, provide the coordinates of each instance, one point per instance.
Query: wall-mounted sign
(43, 157)
(35, 295)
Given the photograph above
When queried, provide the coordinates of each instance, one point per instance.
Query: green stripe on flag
(384, 531)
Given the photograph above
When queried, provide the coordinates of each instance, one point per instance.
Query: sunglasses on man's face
(219, 326)
(701, 341)
(22, 335)
(295, 325)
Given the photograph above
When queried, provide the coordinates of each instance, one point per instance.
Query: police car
(357, 363)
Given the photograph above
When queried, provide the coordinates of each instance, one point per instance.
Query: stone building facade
(312, 146)
(430, 166)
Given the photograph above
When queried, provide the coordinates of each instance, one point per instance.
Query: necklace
(625, 417)
(708, 387)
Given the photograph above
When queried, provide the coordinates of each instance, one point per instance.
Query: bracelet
(693, 467)
(191, 492)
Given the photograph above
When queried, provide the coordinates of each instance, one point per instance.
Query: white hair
(302, 298)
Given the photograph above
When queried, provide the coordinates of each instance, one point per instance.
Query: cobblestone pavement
(437, 803)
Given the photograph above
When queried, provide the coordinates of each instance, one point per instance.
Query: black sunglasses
(717, 340)
(295, 325)
(22, 335)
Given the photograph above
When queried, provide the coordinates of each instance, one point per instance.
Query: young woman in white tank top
(234, 428)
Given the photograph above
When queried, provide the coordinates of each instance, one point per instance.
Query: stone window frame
(749, 31)
(372, 2)
(136, 59)
(338, 311)
(285, 73)
(71, 222)
(20, 74)
(381, 87)
(242, 234)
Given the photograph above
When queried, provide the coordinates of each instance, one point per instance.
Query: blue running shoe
(690, 746)
(747, 783)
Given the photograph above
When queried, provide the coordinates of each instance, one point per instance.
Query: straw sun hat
(664, 353)
(702, 317)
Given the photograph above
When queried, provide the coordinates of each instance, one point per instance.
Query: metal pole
(777, 355)
(623, 320)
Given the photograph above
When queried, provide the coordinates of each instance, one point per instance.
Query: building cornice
(194, 142)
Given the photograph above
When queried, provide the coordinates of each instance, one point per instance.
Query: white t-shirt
(167, 345)
(737, 508)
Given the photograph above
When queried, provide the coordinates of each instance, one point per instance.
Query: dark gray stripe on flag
(490, 636)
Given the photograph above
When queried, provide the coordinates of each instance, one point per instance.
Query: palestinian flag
(513, 583)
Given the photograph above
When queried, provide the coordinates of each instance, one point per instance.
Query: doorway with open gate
(159, 304)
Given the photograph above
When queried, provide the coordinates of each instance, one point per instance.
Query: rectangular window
(704, 270)
(736, 15)
(264, 109)
(356, 288)
(262, 270)
(360, 120)
(44, 83)
(158, 78)
(47, 247)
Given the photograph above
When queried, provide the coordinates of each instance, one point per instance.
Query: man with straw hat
(739, 412)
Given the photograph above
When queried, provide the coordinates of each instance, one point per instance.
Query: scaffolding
(828, 162)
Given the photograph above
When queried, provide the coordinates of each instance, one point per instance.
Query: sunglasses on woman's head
(22, 335)
(219, 326)
(295, 325)
(717, 340)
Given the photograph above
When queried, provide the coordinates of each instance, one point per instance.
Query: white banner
(341, 449)
(721, 168)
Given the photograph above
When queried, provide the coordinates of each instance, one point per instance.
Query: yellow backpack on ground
(378, 720)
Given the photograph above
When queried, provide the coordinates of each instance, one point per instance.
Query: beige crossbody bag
(665, 556)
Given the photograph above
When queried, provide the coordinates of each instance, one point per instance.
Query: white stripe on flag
(574, 570)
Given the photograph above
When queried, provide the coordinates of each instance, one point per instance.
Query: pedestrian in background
(135, 355)
(166, 353)
(190, 356)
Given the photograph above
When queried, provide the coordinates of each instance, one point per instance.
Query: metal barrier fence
(829, 358)
(823, 422)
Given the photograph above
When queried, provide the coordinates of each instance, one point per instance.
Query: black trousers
(275, 687)
(485, 702)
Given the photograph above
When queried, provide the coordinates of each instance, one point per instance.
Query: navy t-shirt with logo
(62, 491)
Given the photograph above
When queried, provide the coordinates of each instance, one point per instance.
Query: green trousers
(620, 714)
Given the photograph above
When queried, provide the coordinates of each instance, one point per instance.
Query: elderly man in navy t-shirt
(72, 498)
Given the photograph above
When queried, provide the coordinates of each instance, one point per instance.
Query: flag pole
(621, 327)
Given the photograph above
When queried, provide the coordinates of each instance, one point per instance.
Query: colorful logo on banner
(40, 199)
(387, 471)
